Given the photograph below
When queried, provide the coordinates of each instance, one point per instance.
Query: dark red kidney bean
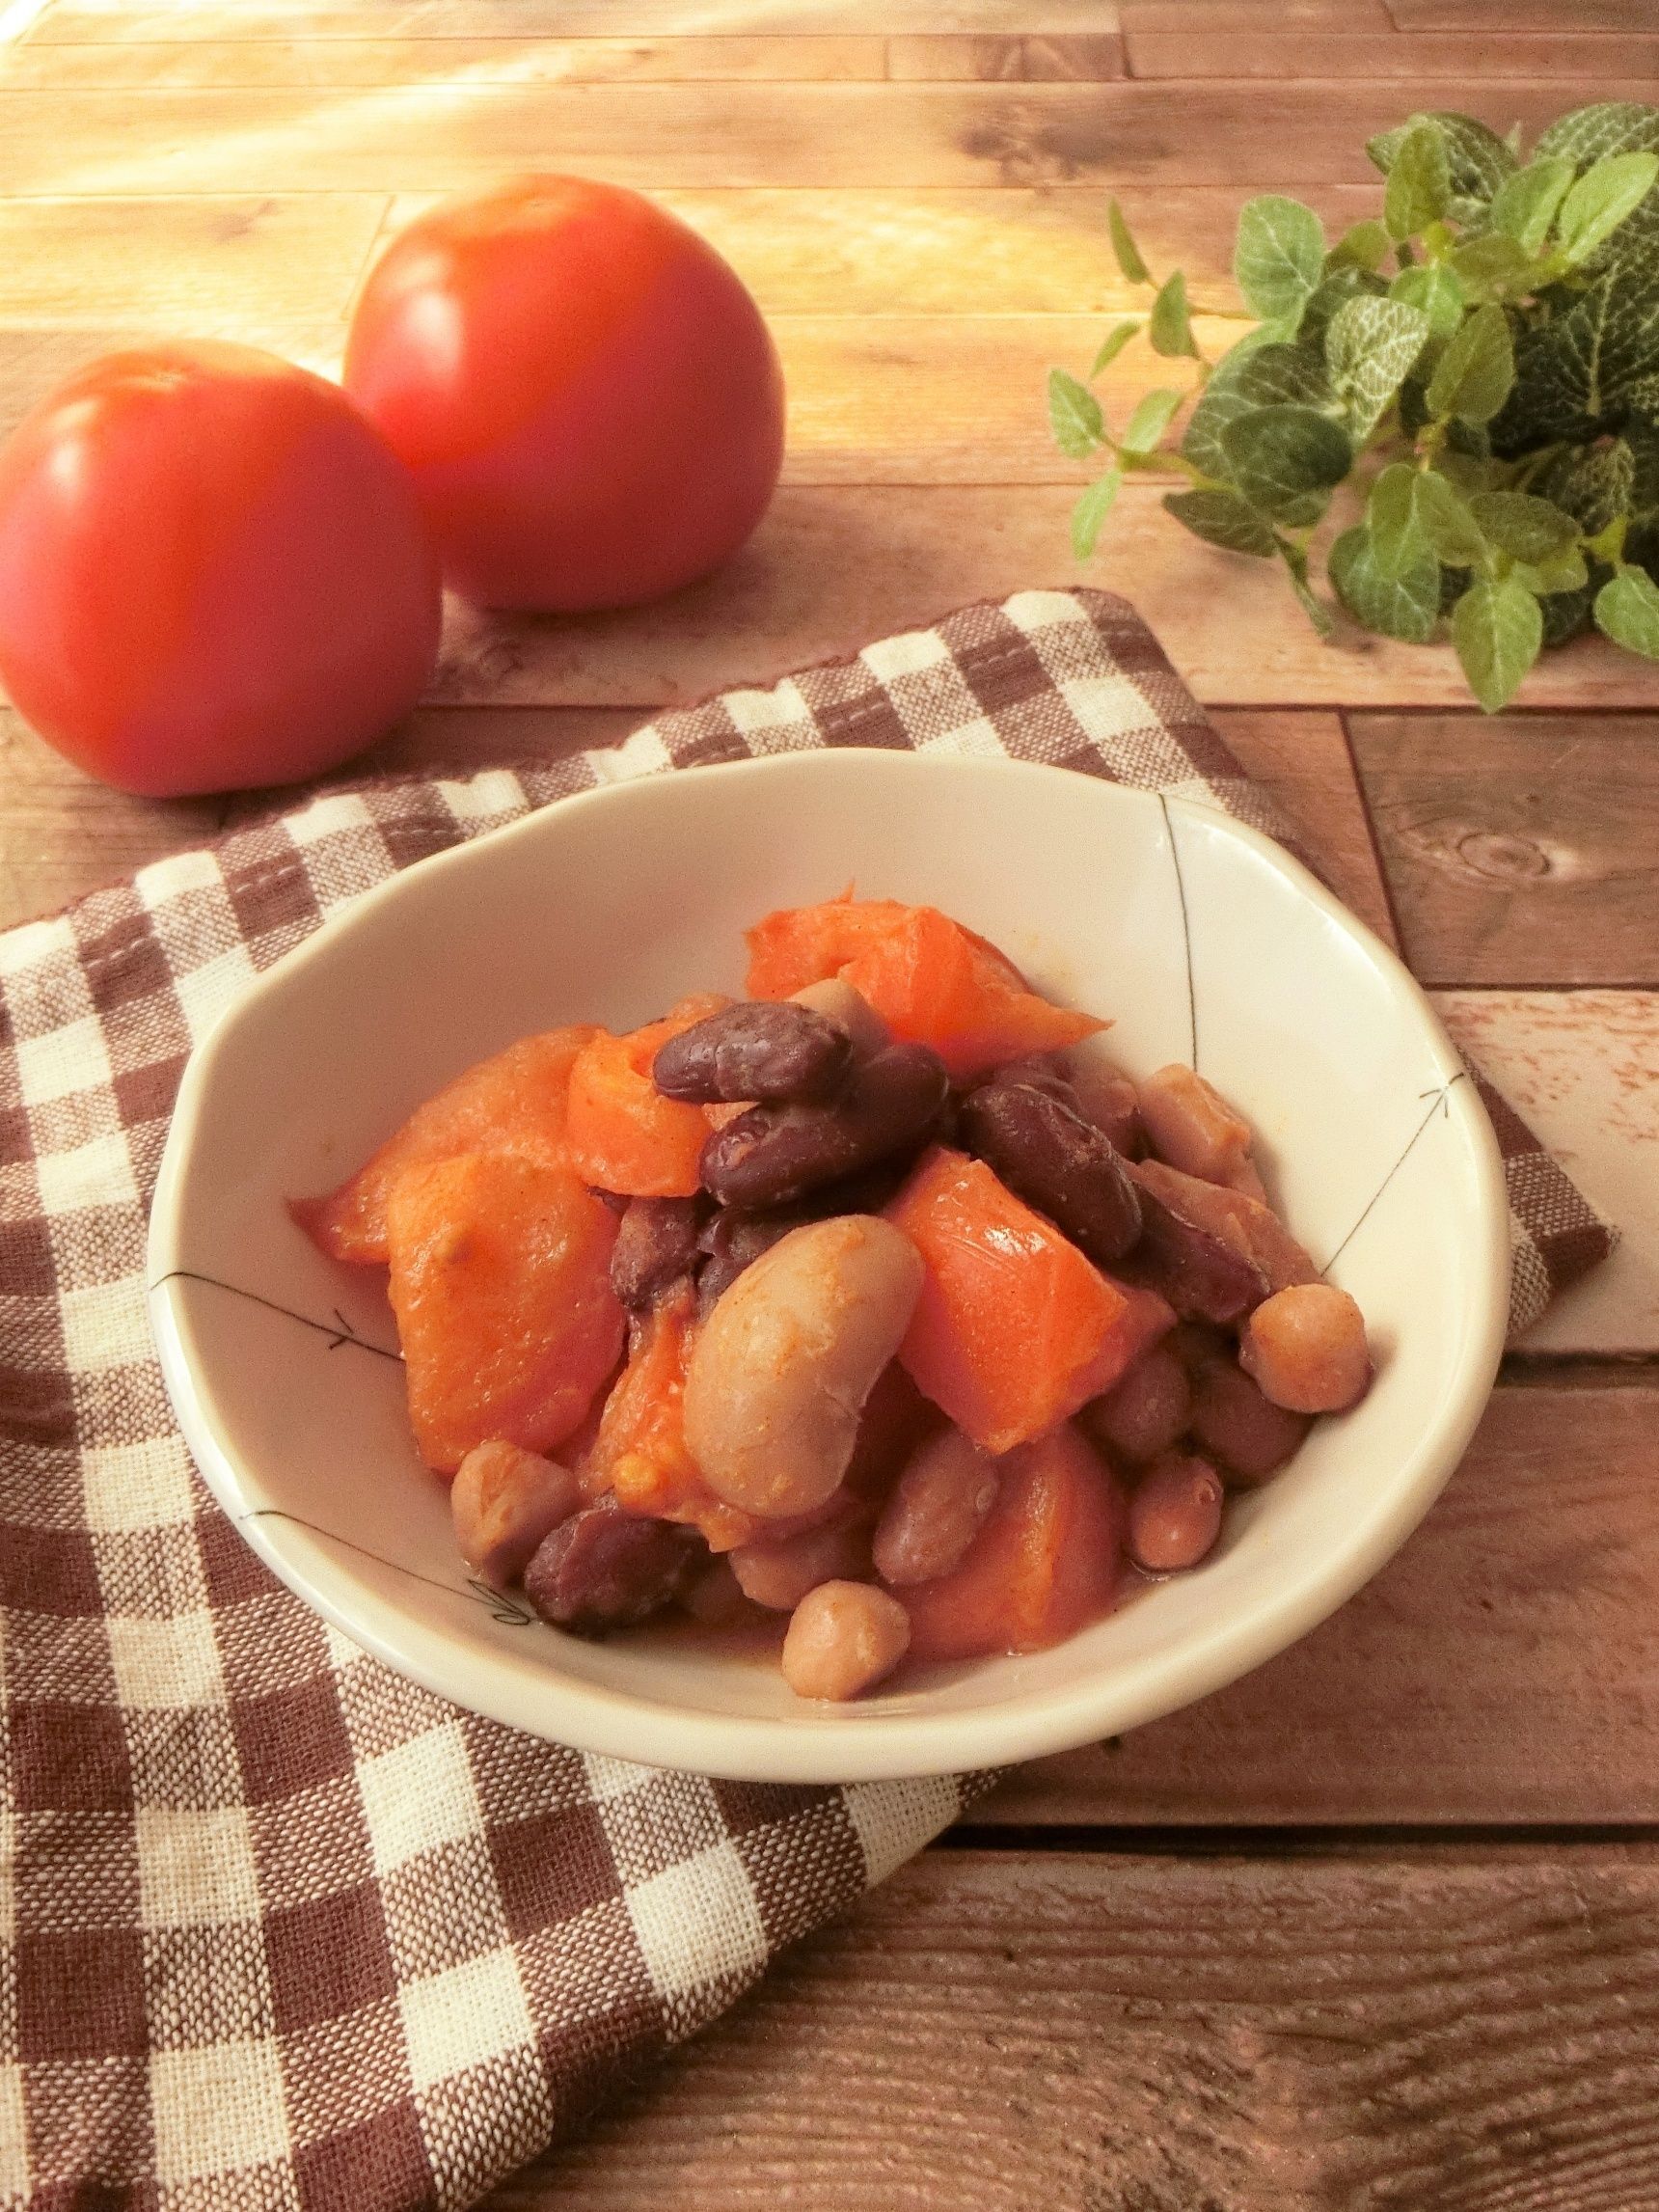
(1240, 1426)
(755, 1049)
(603, 1568)
(1201, 1275)
(656, 1245)
(1056, 1161)
(733, 1242)
(1040, 1074)
(775, 1154)
(1175, 1514)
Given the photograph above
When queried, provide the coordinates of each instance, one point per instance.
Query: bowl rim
(819, 1748)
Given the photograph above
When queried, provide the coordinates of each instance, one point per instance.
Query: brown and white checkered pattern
(275, 1929)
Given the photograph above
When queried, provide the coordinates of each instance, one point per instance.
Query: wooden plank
(340, 62)
(1094, 58)
(1303, 760)
(1260, 17)
(1521, 852)
(185, 263)
(440, 136)
(34, 358)
(835, 564)
(1289, 53)
(1582, 1068)
(1472, 2028)
(1503, 1667)
(95, 21)
(1612, 15)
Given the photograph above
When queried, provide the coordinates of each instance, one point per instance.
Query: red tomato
(212, 572)
(587, 397)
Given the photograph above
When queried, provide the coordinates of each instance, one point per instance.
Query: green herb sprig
(1481, 363)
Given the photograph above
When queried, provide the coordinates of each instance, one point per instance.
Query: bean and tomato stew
(878, 1305)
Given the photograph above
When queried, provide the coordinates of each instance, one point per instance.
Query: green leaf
(1418, 182)
(1566, 614)
(1530, 528)
(1112, 345)
(1150, 421)
(1333, 293)
(1124, 246)
(1285, 462)
(1279, 256)
(1406, 605)
(1609, 190)
(1567, 571)
(1362, 246)
(1595, 484)
(1524, 207)
(1578, 369)
(1447, 522)
(1092, 509)
(1370, 347)
(1498, 632)
(1477, 369)
(1627, 611)
(1477, 158)
(1266, 376)
(1494, 267)
(1607, 126)
(1073, 414)
(1397, 541)
(1169, 326)
(1296, 562)
(1221, 518)
(1435, 291)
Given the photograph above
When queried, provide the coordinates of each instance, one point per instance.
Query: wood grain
(1523, 852)
(1303, 760)
(1473, 56)
(1594, 16)
(1093, 58)
(98, 20)
(443, 136)
(1452, 2029)
(1260, 18)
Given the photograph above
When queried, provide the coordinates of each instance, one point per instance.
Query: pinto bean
(656, 1245)
(842, 1639)
(1142, 1414)
(1236, 1216)
(605, 1568)
(937, 1508)
(778, 1575)
(1191, 1125)
(715, 1597)
(1104, 1096)
(781, 1368)
(505, 1500)
(757, 1048)
(1175, 1514)
(1058, 1163)
(1240, 1426)
(1306, 1349)
(849, 1010)
(775, 1153)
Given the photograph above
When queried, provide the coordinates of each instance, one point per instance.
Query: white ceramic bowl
(612, 905)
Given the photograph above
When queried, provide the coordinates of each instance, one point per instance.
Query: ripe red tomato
(212, 572)
(587, 397)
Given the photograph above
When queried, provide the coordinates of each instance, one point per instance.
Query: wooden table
(1378, 1926)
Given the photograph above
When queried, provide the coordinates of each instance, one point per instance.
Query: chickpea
(778, 1575)
(1306, 1349)
(505, 1500)
(1191, 1125)
(1175, 1514)
(937, 1508)
(781, 1368)
(842, 1639)
(1143, 1414)
(1237, 1424)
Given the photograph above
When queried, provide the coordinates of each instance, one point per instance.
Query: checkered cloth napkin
(277, 1929)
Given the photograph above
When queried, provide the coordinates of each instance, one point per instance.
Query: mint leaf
(1525, 206)
(1446, 521)
(1418, 182)
(1073, 416)
(1432, 288)
(1627, 611)
(1092, 509)
(1285, 462)
(1112, 345)
(1477, 370)
(1404, 605)
(1266, 376)
(1391, 522)
(1609, 190)
(1150, 421)
(1279, 257)
(1221, 518)
(1498, 632)
(1530, 528)
(1370, 347)
(1128, 253)
(1169, 326)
